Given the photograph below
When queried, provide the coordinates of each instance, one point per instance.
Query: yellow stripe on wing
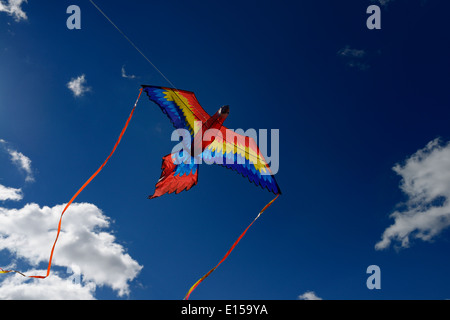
(219, 145)
(178, 98)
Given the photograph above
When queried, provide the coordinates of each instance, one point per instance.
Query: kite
(210, 141)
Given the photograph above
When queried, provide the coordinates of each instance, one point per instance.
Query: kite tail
(179, 173)
(229, 251)
(76, 195)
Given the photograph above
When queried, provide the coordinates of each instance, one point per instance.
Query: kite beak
(225, 110)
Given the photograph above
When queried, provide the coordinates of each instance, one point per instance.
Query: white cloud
(21, 161)
(14, 8)
(309, 295)
(83, 244)
(53, 288)
(125, 75)
(426, 183)
(78, 86)
(7, 193)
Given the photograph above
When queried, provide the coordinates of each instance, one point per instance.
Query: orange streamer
(228, 252)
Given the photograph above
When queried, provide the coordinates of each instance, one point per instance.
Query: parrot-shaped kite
(222, 146)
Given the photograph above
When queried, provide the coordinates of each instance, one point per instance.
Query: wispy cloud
(7, 193)
(14, 9)
(127, 76)
(309, 295)
(78, 86)
(383, 2)
(352, 53)
(359, 65)
(86, 242)
(21, 161)
(354, 57)
(426, 183)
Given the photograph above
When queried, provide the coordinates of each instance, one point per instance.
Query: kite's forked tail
(176, 175)
(186, 297)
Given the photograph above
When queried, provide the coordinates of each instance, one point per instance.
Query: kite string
(177, 92)
(76, 195)
(186, 297)
(132, 43)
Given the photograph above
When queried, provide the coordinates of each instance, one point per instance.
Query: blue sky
(364, 154)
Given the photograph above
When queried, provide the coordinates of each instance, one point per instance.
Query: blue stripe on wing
(170, 108)
(243, 166)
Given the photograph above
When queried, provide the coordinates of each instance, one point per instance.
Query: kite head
(224, 111)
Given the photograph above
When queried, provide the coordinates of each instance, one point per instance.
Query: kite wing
(182, 107)
(241, 154)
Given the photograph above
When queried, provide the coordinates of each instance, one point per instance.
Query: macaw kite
(209, 139)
